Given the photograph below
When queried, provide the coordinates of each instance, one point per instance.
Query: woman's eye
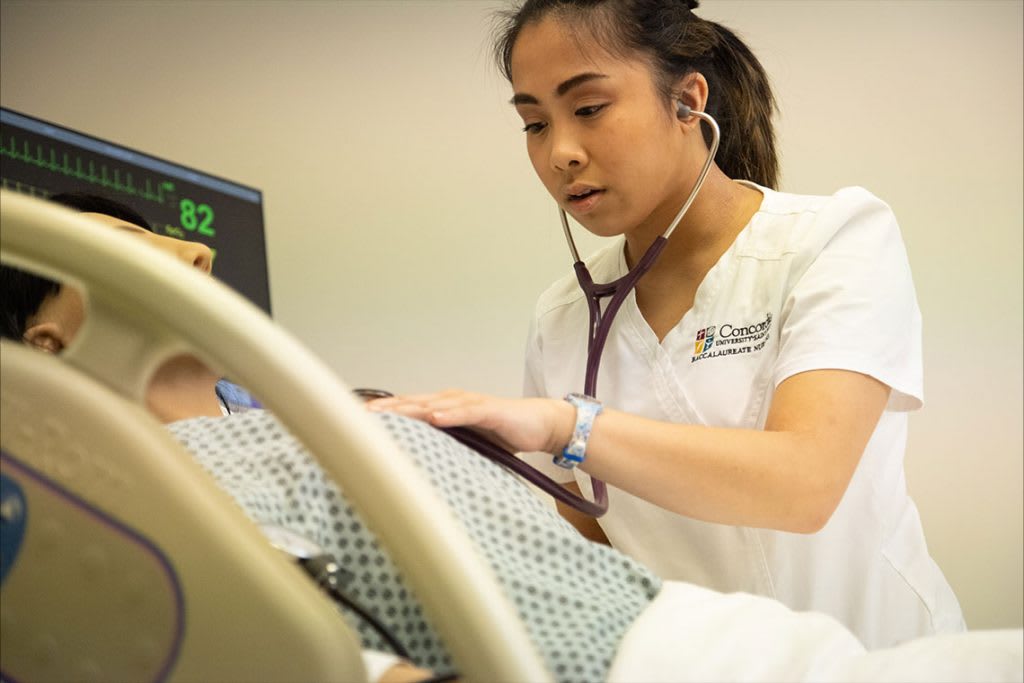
(589, 111)
(534, 128)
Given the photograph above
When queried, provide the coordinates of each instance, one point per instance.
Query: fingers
(533, 424)
(444, 409)
(451, 408)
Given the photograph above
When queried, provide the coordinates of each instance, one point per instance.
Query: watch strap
(575, 452)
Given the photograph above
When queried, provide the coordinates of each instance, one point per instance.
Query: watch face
(289, 542)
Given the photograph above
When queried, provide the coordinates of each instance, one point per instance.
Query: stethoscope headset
(600, 326)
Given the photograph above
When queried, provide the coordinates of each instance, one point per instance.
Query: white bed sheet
(694, 634)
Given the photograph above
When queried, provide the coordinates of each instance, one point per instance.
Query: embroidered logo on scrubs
(705, 340)
(732, 339)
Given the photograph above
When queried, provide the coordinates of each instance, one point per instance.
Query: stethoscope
(600, 326)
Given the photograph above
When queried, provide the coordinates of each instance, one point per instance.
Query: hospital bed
(131, 563)
(122, 560)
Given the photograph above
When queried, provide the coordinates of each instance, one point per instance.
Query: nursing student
(754, 392)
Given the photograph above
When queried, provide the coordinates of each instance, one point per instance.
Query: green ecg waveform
(88, 170)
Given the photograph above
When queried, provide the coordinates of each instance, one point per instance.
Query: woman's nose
(566, 152)
(196, 254)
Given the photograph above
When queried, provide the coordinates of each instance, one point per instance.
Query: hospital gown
(576, 598)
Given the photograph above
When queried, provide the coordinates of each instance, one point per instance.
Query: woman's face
(600, 136)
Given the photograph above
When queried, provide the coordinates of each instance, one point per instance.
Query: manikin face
(61, 315)
(602, 139)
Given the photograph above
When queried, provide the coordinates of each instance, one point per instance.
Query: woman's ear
(692, 91)
(46, 336)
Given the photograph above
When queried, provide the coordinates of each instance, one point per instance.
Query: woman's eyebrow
(563, 87)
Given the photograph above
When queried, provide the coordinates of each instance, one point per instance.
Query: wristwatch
(587, 408)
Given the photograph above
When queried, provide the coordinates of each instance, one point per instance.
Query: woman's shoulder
(790, 223)
(849, 201)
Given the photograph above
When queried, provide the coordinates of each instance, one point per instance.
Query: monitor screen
(42, 158)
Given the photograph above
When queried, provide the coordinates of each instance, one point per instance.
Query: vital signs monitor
(40, 158)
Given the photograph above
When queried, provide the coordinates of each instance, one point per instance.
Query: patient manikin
(279, 484)
(582, 602)
(48, 315)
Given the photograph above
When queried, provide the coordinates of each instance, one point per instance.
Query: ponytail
(744, 107)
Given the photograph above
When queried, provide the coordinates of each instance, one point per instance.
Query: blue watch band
(587, 408)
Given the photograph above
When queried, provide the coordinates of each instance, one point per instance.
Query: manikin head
(47, 315)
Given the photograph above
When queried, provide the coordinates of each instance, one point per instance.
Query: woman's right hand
(519, 424)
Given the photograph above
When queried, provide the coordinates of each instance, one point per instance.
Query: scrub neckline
(706, 290)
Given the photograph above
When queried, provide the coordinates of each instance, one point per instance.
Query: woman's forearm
(789, 476)
(729, 476)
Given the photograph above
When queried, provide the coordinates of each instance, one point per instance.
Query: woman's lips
(584, 203)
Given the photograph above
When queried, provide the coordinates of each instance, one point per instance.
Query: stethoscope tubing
(601, 320)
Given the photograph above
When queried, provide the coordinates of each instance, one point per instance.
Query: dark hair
(94, 203)
(676, 42)
(22, 293)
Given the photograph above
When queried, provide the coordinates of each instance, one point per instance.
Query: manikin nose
(196, 254)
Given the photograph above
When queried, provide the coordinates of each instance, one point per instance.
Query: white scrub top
(810, 283)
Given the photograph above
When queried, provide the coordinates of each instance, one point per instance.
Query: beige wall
(408, 237)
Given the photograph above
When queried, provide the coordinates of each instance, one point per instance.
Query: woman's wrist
(563, 423)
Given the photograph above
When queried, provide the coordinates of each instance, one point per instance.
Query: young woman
(755, 387)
